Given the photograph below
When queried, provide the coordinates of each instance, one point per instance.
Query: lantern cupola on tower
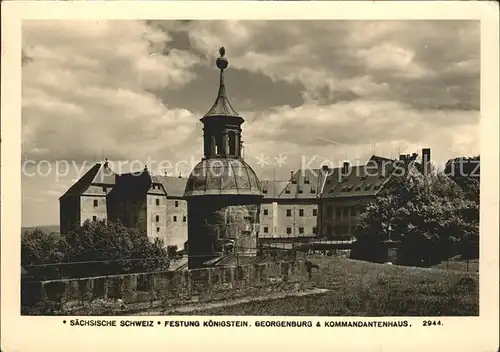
(222, 124)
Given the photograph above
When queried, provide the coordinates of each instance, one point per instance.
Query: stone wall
(171, 288)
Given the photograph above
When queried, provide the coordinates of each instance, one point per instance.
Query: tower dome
(222, 171)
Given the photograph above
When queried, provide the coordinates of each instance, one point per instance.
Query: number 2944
(431, 323)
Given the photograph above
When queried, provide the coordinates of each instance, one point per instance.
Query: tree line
(429, 218)
(96, 248)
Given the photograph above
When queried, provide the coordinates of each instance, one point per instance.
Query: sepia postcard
(255, 174)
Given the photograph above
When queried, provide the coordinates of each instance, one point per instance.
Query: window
(266, 229)
(301, 230)
(94, 218)
(232, 143)
(345, 213)
(306, 180)
(300, 190)
(264, 191)
(157, 218)
(266, 212)
(157, 229)
(184, 218)
(353, 211)
(315, 212)
(287, 191)
(294, 181)
(96, 203)
(313, 190)
(329, 210)
(157, 201)
(288, 230)
(104, 189)
(301, 212)
(176, 204)
(289, 212)
(315, 230)
(338, 212)
(175, 218)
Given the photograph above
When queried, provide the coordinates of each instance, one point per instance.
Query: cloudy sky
(309, 91)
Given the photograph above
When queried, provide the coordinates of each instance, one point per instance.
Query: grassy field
(459, 265)
(365, 289)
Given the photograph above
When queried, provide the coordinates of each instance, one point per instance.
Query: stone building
(151, 203)
(223, 192)
(87, 199)
(349, 189)
(290, 208)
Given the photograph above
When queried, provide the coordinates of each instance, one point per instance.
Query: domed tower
(223, 192)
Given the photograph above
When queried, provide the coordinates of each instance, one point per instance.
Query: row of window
(300, 190)
(174, 218)
(176, 203)
(344, 211)
(289, 230)
(289, 212)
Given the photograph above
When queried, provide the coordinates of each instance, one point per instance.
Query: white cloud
(87, 87)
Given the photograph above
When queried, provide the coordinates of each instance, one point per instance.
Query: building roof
(355, 181)
(222, 176)
(99, 174)
(174, 186)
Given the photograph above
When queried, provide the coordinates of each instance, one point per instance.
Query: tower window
(96, 202)
(232, 143)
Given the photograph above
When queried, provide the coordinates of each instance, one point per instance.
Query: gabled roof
(99, 174)
(174, 186)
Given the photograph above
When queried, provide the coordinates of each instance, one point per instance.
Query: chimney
(345, 167)
(426, 159)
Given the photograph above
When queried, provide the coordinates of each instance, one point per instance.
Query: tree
(93, 249)
(426, 214)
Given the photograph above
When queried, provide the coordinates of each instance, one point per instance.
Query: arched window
(213, 146)
(232, 143)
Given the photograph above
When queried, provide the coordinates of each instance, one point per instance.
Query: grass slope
(366, 289)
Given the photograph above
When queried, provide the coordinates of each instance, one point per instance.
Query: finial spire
(222, 106)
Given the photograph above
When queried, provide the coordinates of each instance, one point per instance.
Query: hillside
(366, 289)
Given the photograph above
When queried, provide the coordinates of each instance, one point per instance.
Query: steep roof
(355, 181)
(99, 174)
(174, 186)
